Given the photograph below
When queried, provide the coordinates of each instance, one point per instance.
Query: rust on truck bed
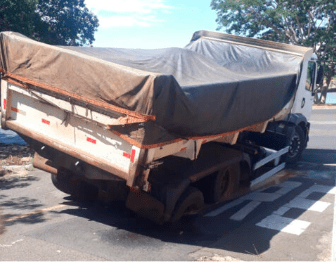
(86, 157)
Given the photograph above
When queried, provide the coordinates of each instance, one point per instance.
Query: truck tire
(79, 190)
(223, 184)
(191, 200)
(296, 146)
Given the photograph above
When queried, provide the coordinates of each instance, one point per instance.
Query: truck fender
(298, 119)
(172, 193)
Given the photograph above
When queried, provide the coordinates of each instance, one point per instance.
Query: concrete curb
(16, 168)
(326, 106)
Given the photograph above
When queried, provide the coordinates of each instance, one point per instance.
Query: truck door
(306, 92)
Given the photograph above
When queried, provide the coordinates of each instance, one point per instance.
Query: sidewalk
(324, 106)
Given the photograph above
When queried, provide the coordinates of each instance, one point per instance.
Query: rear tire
(78, 189)
(191, 200)
(223, 184)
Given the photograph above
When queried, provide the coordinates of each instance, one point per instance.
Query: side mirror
(320, 73)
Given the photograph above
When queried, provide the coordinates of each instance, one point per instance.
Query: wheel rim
(294, 146)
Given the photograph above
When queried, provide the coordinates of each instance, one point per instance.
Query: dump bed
(120, 110)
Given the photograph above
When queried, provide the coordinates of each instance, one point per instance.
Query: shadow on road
(7, 183)
(219, 232)
(321, 156)
(14, 207)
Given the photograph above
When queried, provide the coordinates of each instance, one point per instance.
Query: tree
(60, 22)
(17, 15)
(301, 22)
(65, 22)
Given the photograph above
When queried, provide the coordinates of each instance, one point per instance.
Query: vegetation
(308, 22)
(61, 22)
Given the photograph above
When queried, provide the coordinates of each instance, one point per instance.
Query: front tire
(296, 146)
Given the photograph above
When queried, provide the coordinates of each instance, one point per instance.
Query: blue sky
(152, 24)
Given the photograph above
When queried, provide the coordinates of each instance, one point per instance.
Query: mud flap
(145, 205)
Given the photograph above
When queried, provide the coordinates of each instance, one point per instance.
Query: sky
(153, 24)
(150, 24)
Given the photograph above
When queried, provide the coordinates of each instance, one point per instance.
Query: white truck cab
(306, 91)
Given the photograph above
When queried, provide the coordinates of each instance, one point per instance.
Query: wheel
(191, 200)
(78, 189)
(63, 181)
(296, 146)
(223, 184)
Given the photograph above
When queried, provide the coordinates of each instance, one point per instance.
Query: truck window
(310, 76)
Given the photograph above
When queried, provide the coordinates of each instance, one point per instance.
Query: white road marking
(241, 214)
(262, 196)
(282, 210)
(257, 196)
(305, 204)
(284, 224)
(288, 225)
(318, 188)
(225, 207)
(276, 221)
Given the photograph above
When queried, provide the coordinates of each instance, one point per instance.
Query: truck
(167, 131)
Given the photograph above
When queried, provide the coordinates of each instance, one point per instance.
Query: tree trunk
(316, 97)
(324, 90)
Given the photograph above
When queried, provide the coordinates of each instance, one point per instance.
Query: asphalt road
(290, 221)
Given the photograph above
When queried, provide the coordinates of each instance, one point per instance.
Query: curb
(324, 106)
(17, 169)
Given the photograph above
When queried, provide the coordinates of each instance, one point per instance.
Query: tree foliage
(18, 16)
(301, 22)
(61, 22)
(68, 22)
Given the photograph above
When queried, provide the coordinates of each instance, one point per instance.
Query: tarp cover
(207, 88)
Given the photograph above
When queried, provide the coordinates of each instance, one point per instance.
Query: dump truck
(167, 131)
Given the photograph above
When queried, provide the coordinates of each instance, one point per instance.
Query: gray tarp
(207, 88)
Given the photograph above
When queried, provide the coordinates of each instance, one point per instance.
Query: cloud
(127, 21)
(127, 13)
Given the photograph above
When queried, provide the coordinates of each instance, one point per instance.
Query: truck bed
(177, 93)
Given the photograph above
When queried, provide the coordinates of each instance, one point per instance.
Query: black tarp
(207, 88)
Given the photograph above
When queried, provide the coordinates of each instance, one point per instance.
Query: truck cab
(293, 129)
(305, 95)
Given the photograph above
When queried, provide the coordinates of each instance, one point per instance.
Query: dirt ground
(15, 155)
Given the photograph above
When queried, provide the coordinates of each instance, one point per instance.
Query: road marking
(284, 224)
(292, 226)
(34, 212)
(310, 205)
(257, 196)
(240, 215)
(276, 221)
